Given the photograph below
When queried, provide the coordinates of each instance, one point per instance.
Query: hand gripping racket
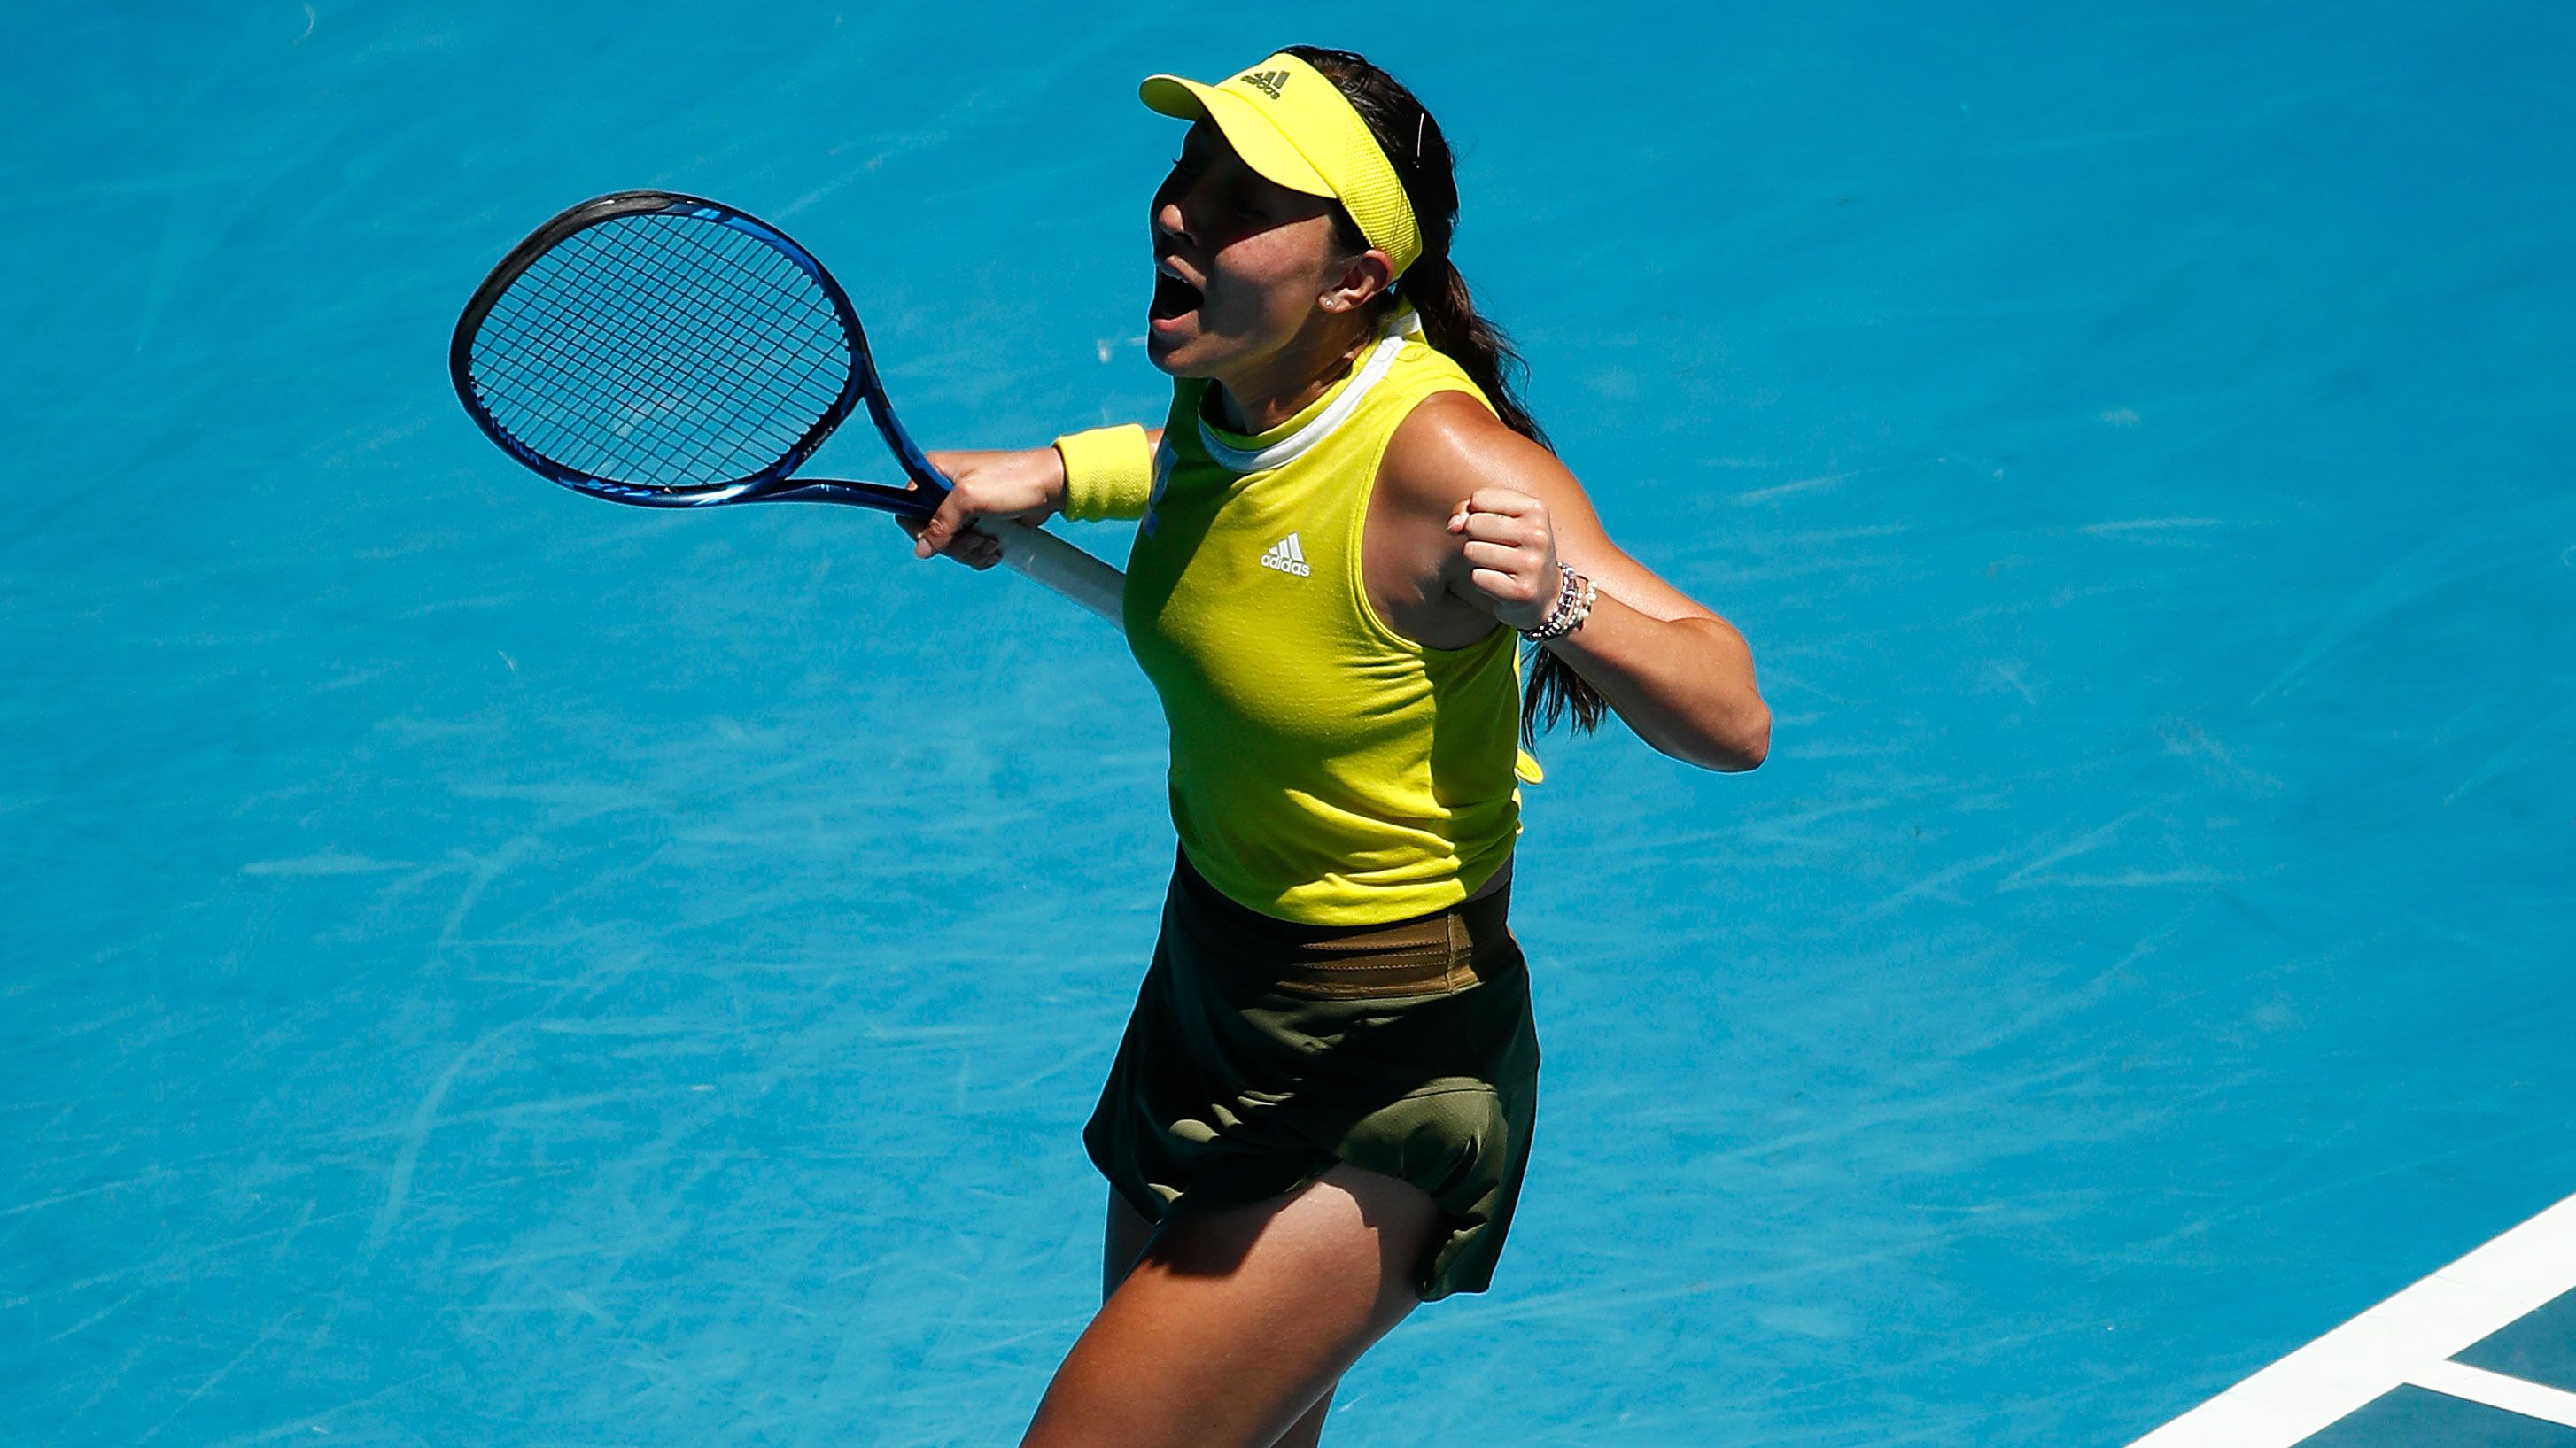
(671, 352)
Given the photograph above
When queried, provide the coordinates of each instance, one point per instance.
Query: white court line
(2406, 1339)
(2514, 1395)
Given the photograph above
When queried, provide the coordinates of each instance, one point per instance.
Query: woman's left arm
(1678, 674)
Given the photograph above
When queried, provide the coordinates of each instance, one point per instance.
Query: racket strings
(664, 354)
(818, 336)
(769, 268)
(674, 349)
(546, 315)
(559, 308)
(654, 358)
(662, 351)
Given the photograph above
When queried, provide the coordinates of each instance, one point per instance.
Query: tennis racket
(672, 352)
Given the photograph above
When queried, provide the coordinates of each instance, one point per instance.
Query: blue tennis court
(487, 966)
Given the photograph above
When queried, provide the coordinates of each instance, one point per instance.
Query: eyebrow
(1250, 192)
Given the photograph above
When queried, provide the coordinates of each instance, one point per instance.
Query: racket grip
(1042, 557)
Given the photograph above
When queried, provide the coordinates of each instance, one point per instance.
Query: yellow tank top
(1308, 779)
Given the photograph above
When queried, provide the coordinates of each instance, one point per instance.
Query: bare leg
(1232, 1328)
(1308, 1431)
(1123, 1243)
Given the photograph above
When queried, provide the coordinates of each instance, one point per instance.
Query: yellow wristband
(1108, 473)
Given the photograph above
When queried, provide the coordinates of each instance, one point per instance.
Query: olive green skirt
(1261, 1052)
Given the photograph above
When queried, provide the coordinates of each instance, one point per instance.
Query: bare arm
(1022, 483)
(1675, 672)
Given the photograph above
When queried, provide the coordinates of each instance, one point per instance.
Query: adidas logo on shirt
(1288, 556)
(1267, 81)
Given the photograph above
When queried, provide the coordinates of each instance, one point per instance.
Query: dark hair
(1412, 140)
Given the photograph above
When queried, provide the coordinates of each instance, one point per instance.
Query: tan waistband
(1436, 952)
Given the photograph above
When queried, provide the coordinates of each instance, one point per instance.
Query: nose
(1168, 222)
(1176, 207)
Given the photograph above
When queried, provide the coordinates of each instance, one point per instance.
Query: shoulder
(1452, 444)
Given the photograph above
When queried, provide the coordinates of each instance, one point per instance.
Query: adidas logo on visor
(1268, 82)
(1288, 556)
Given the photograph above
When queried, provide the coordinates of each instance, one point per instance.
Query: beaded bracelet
(1574, 597)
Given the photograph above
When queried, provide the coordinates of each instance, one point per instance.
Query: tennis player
(1321, 1109)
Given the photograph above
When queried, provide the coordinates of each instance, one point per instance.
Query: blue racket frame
(770, 484)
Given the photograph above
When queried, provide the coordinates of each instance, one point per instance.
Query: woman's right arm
(1022, 483)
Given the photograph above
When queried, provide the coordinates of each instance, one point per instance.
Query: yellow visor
(1291, 124)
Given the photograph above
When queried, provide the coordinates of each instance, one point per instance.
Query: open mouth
(1173, 297)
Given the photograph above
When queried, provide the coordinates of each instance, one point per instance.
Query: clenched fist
(1511, 555)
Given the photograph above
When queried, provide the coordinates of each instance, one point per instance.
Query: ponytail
(1413, 141)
